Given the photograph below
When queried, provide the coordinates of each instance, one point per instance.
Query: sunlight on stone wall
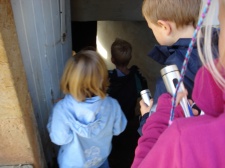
(19, 144)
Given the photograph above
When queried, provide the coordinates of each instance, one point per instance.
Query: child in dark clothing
(173, 29)
(125, 86)
(126, 89)
(125, 83)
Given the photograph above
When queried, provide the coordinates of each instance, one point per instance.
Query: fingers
(145, 108)
(180, 95)
(151, 103)
(141, 102)
(190, 101)
(73, 53)
(195, 112)
(195, 109)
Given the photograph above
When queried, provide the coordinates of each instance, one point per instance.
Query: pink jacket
(189, 142)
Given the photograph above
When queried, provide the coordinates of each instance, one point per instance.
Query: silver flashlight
(171, 76)
(146, 96)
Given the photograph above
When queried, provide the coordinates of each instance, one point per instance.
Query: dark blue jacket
(175, 54)
(169, 55)
(126, 89)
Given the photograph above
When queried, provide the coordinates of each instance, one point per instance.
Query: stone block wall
(19, 142)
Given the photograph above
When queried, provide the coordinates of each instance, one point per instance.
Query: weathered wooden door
(43, 28)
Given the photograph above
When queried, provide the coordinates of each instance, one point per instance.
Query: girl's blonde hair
(85, 75)
(206, 47)
(182, 12)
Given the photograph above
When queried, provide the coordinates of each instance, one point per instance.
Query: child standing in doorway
(85, 120)
(125, 86)
(125, 83)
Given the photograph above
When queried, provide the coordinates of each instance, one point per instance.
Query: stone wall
(18, 134)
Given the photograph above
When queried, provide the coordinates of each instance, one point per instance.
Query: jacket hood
(86, 118)
(208, 95)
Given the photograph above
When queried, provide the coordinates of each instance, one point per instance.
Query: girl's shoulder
(64, 102)
(110, 99)
(111, 102)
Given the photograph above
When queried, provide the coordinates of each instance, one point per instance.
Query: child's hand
(144, 108)
(196, 111)
(180, 95)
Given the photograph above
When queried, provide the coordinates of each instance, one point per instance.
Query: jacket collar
(160, 53)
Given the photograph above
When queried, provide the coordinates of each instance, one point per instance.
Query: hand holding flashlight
(171, 76)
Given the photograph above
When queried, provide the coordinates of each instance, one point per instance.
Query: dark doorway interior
(83, 34)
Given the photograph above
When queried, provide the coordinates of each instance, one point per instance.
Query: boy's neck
(123, 69)
(182, 32)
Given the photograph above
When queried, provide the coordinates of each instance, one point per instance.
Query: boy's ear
(165, 25)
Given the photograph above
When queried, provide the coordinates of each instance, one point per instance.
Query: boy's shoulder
(163, 54)
(135, 71)
(134, 68)
(112, 73)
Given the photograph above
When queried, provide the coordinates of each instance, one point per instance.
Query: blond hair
(206, 50)
(121, 52)
(85, 75)
(182, 12)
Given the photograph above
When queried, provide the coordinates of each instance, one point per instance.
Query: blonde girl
(84, 122)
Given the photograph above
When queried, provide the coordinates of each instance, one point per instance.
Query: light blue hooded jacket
(84, 130)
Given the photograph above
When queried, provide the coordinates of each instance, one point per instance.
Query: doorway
(83, 34)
